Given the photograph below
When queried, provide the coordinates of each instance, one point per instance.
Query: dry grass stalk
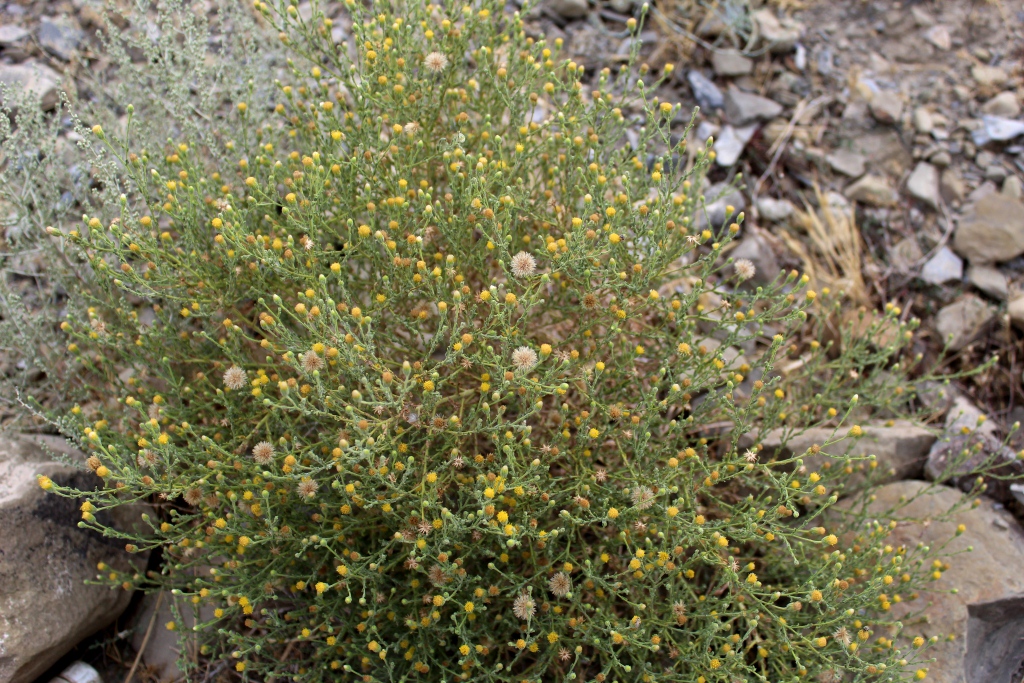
(835, 260)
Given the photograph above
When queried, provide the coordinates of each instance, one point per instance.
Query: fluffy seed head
(560, 584)
(524, 607)
(643, 497)
(523, 264)
(234, 378)
(307, 487)
(744, 269)
(524, 358)
(311, 362)
(436, 62)
(263, 453)
(193, 496)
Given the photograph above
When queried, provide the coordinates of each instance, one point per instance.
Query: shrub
(431, 374)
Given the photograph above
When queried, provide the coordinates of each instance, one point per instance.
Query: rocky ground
(881, 146)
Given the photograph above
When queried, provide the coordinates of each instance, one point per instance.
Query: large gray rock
(45, 606)
(731, 63)
(887, 107)
(993, 231)
(996, 128)
(899, 450)
(872, 189)
(705, 91)
(1004, 104)
(719, 197)
(968, 445)
(962, 321)
(12, 35)
(984, 568)
(743, 108)
(568, 9)
(775, 210)
(779, 35)
(944, 267)
(33, 77)
(847, 162)
(923, 184)
(730, 143)
(960, 459)
(963, 416)
(990, 280)
(59, 37)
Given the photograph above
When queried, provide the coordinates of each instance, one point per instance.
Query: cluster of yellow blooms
(442, 379)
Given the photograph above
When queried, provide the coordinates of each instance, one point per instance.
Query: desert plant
(430, 374)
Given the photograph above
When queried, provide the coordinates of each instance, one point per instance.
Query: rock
(923, 184)
(962, 321)
(585, 40)
(989, 280)
(995, 173)
(721, 195)
(706, 93)
(993, 232)
(951, 186)
(923, 122)
(730, 143)
(989, 76)
(78, 672)
(886, 107)
(984, 567)
(960, 459)
(884, 150)
(743, 108)
(45, 606)
(755, 248)
(899, 450)
(996, 128)
(33, 77)
(873, 190)
(981, 191)
(621, 6)
(705, 130)
(941, 159)
(937, 396)
(961, 414)
(1018, 492)
(774, 210)
(779, 36)
(59, 38)
(569, 9)
(994, 651)
(10, 35)
(938, 36)
(1004, 104)
(1012, 187)
(984, 158)
(846, 162)
(712, 26)
(905, 254)
(944, 267)
(731, 63)
(1016, 311)
(921, 17)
